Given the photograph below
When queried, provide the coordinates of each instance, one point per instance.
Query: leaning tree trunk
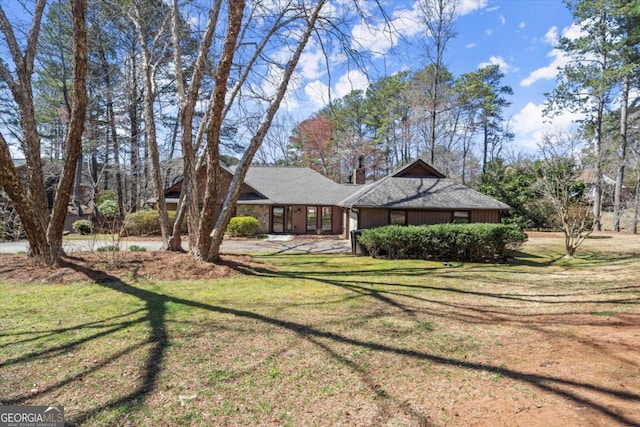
(226, 212)
(202, 243)
(43, 232)
(73, 140)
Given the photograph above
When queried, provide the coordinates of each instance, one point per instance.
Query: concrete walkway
(273, 244)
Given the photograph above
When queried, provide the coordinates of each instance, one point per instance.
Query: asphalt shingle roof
(295, 185)
(420, 193)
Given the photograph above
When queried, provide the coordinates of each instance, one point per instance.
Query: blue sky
(519, 35)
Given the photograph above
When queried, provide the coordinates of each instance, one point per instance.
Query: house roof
(293, 185)
(419, 186)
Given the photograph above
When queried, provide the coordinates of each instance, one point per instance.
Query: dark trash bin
(356, 247)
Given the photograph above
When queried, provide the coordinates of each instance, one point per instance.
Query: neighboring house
(301, 201)
(588, 176)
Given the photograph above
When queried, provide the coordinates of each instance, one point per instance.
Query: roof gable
(420, 186)
(417, 169)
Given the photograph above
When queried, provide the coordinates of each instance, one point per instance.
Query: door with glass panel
(277, 219)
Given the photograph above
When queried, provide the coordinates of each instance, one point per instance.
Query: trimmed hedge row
(446, 242)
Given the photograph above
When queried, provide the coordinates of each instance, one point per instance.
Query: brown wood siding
(370, 218)
(485, 216)
(336, 220)
(428, 217)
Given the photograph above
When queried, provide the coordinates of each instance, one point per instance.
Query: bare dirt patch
(95, 268)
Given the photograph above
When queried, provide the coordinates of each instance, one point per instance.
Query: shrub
(243, 226)
(82, 226)
(108, 208)
(460, 242)
(136, 248)
(109, 248)
(145, 223)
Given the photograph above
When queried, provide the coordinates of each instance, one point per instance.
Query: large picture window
(461, 217)
(312, 218)
(326, 218)
(398, 217)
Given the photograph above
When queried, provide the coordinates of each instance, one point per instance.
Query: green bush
(109, 248)
(136, 248)
(146, 223)
(108, 208)
(82, 226)
(446, 242)
(243, 226)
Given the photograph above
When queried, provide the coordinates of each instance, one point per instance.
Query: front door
(278, 219)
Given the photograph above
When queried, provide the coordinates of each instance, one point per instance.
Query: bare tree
(43, 229)
(558, 185)
(438, 17)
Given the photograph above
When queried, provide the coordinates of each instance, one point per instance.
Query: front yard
(326, 340)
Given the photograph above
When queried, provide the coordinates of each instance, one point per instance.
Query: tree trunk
(44, 232)
(231, 198)
(618, 207)
(134, 136)
(73, 140)
(203, 239)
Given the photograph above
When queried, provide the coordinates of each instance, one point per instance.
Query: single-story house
(417, 194)
(297, 200)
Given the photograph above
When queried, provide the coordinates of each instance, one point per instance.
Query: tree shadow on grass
(155, 308)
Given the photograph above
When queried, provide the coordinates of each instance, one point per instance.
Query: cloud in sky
(530, 125)
(352, 80)
(496, 60)
(467, 6)
(318, 93)
(558, 58)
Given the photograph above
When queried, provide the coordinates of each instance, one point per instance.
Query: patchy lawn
(328, 339)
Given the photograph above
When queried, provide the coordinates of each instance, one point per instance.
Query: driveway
(273, 244)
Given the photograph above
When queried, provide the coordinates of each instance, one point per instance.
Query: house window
(326, 218)
(278, 219)
(398, 217)
(289, 218)
(461, 217)
(312, 218)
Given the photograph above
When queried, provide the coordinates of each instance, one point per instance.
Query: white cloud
(312, 63)
(317, 93)
(558, 58)
(467, 6)
(380, 37)
(530, 125)
(551, 36)
(376, 39)
(488, 31)
(496, 60)
(503, 20)
(352, 80)
(470, 45)
(522, 25)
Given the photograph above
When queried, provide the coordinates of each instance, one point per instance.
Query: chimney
(359, 173)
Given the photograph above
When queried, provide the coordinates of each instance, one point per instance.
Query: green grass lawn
(337, 340)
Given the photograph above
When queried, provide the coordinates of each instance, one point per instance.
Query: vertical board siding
(370, 218)
(485, 216)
